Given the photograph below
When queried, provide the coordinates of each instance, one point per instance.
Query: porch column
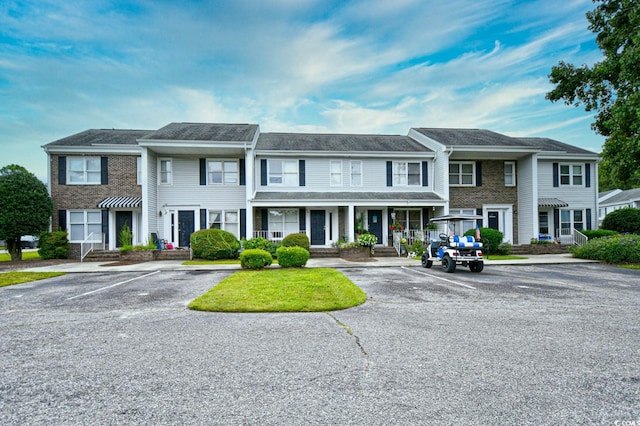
(351, 225)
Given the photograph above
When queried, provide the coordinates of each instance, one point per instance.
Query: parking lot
(539, 344)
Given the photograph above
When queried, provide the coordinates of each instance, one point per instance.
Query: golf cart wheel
(426, 263)
(448, 264)
(476, 266)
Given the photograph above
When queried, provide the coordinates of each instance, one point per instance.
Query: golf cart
(452, 249)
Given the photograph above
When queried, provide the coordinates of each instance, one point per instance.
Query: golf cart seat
(464, 241)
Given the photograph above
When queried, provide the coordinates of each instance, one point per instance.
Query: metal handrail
(579, 238)
(89, 244)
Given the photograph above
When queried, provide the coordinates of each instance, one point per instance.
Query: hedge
(54, 245)
(296, 240)
(291, 257)
(211, 244)
(255, 259)
(614, 249)
(261, 243)
(491, 239)
(625, 220)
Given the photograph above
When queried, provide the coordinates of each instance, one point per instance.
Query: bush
(54, 245)
(614, 249)
(255, 259)
(491, 239)
(625, 220)
(598, 233)
(262, 244)
(417, 248)
(211, 244)
(505, 249)
(368, 240)
(296, 240)
(290, 257)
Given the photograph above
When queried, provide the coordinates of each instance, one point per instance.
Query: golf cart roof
(455, 217)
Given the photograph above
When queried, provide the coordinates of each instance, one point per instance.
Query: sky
(319, 66)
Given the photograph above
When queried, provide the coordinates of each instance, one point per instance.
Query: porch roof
(551, 202)
(120, 202)
(348, 196)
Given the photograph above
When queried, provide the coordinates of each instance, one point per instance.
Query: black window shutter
(478, 173)
(425, 176)
(556, 175)
(389, 173)
(104, 170)
(588, 218)
(587, 175)
(105, 225)
(301, 172)
(263, 172)
(303, 220)
(243, 172)
(203, 171)
(203, 218)
(62, 171)
(556, 222)
(479, 221)
(265, 219)
(62, 220)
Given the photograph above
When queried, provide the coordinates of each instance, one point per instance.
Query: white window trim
(571, 175)
(222, 161)
(331, 174)
(513, 173)
(85, 224)
(406, 174)
(85, 161)
(351, 163)
(170, 182)
(223, 220)
(282, 174)
(473, 174)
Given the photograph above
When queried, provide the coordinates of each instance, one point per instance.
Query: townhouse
(187, 176)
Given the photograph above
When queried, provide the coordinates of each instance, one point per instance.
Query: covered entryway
(318, 227)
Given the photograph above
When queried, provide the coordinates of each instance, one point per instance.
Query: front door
(375, 224)
(493, 220)
(185, 227)
(122, 219)
(318, 222)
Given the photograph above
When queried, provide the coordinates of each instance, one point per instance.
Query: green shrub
(255, 259)
(417, 248)
(491, 239)
(211, 244)
(505, 249)
(262, 244)
(369, 240)
(290, 257)
(296, 240)
(614, 249)
(625, 220)
(54, 245)
(598, 233)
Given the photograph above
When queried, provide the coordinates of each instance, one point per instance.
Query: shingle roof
(315, 196)
(101, 137)
(205, 132)
(546, 144)
(623, 197)
(338, 143)
(468, 137)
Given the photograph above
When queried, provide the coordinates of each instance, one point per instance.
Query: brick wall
(492, 191)
(122, 174)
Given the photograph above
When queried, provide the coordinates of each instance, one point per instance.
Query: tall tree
(25, 207)
(610, 87)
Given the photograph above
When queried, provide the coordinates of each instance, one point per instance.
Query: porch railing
(410, 237)
(579, 238)
(92, 242)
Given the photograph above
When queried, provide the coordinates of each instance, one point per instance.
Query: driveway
(547, 344)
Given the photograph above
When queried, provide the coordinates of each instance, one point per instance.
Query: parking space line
(113, 285)
(439, 278)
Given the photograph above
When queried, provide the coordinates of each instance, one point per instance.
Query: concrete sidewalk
(176, 265)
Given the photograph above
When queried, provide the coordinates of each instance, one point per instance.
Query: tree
(610, 87)
(25, 207)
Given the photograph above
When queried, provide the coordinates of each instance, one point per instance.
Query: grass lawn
(281, 290)
(504, 257)
(11, 278)
(26, 255)
(630, 266)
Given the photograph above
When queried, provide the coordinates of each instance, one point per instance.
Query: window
(139, 170)
(571, 219)
(571, 174)
(356, 173)
(283, 172)
(509, 173)
(225, 220)
(283, 223)
(461, 173)
(543, 223)
(409, 219)
(83, 171)
(406, 174)
(166, 173)
(83, 223)
(222, 172)
(336, 173)
(466, 224)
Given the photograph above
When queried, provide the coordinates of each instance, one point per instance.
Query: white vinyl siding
(83, 170)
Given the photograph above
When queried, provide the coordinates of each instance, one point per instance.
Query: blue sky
(374, 66)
